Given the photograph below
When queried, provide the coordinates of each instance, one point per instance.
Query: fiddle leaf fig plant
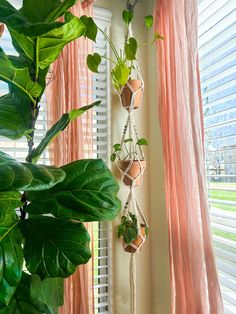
(42, 208)
(123, 60)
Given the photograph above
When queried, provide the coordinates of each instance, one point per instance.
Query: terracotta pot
(126, 95)
(138, 242)
(134, 174)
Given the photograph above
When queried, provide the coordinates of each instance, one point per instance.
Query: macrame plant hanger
(132, 166)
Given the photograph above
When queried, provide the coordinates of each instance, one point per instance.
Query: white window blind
(101, 127)
(18, 149)
(217, 54)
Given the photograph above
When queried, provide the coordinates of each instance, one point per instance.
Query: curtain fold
(194, 280)
(71, 88)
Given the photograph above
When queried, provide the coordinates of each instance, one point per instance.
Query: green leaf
(130, 234)
(91, 28)
(127, 16)
(142, 141)
(11, 255)
(26, 176)
(87, 194)
(148, 21)
(117, 147)
(49, 291)
(157, 36)
(51, 44)
(93, 62)
(48, 45)
(10, 200)
(23, 44)
(113, 157)
(128, 140)
(22, 301)
(18, 79)
(57, 128)
(12, 121)
(6, 9)
(120, 75)
(37, 11)
(131, 49)
(54, 247)
(14, 19)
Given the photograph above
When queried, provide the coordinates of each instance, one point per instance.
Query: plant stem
(109, 59)
(34, 109)
(111, 44)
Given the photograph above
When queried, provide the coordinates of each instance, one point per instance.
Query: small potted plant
(130, 160)
(132, 235)
(124, 73)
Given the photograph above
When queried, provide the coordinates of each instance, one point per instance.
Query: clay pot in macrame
(127, 92)
(137, 243)
(133, 171)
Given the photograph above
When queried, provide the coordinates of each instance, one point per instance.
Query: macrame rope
(134, 158)
(132, 285)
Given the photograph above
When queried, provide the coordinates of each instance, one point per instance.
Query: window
(102, 231)
(217, 54)
(18, 149)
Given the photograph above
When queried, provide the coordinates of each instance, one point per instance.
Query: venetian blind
(217, 52)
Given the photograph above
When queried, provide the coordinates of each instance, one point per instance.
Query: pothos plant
(123, 59)
(130, 152)
(48, 237)
(128, 228)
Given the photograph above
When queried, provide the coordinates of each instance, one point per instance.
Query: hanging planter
(133, 237)
(136, 244)
(132, 171)
(131, 160)
(129, 85)
(132, 94)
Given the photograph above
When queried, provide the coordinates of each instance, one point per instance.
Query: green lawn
(223, 195)
(223, 234)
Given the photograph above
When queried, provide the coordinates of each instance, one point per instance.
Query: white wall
(153, 295)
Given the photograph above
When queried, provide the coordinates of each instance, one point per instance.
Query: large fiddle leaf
(12, 121)
(54, 247)
(22, 301)
(44, 10)
(11, 255)
(49, 291)
(18, 79)
(88, 193)
(57, 128)
(16, 20)
(26, 176)
(24, 45)
(51, 44)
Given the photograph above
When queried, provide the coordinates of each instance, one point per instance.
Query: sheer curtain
(71, 88)
(194, 281)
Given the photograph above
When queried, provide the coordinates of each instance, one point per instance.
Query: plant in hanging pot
(125, 73)
(48, 237)
(132, 233)
(131, 160)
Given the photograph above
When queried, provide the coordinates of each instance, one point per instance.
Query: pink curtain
(194, 282)
(71, 88)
